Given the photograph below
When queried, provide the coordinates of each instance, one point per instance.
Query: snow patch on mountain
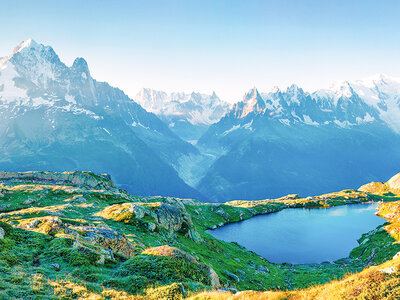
(234, 127)
(8, 91)
(309, 121)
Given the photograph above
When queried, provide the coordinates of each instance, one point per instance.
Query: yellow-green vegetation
(74, 235)
(377, 249)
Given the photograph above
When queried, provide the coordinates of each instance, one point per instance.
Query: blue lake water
(299, 235)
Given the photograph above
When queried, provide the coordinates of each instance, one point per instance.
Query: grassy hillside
(84, 238)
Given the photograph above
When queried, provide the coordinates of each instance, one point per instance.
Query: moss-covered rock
(173, 291)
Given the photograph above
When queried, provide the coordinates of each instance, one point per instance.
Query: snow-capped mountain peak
(252, 95)
(196, 108)
(252, 103)
(343, 104)
(53, 115)
(25, 45)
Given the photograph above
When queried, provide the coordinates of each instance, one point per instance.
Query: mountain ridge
(188, 115)
(54, 116)
(268, 139)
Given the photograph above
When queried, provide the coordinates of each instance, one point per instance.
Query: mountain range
(188, 115)
(290, 140)
(55, 117)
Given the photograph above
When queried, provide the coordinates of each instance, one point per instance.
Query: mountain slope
(188, 115)
(293, 141)
(56, 117)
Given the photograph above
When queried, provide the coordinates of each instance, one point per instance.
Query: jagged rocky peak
(343, 88)
(252, 94)
(252, 103)
(293, 89)
(32, 49)
(27, 45)
(35, 63)
(24, 44)
(195, 108)
(81, 67)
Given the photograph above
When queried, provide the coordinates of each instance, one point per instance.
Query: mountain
(188, 115)
(55, 117)
(287, 141)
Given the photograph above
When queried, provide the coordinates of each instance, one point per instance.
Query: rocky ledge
(79, 178)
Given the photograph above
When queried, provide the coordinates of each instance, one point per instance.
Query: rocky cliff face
(88, 179)
(169, 215)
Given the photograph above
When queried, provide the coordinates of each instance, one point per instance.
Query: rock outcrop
(391, 212)
(374, 187)
(394, 182)
(169, 214)
(88, 179)
(108, 239)
(100, 238)
(169, 251)
(392, 185)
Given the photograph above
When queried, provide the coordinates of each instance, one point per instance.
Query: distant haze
(222, 46)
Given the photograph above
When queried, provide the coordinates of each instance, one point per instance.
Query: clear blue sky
(226, 46)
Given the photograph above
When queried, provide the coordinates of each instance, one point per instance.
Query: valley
(75, 234)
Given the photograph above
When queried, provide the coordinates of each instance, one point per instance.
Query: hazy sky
(225, 46)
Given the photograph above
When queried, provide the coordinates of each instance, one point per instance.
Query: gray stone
(214, 278)
(55, 267)
(389, 270)
(151, 226)
(232, 276)
(30, 201)
(262, 269)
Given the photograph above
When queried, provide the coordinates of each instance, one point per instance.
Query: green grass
(26, 256)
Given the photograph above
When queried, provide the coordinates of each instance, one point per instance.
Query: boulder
(151, 226)
(105, 254)
(55, 267)
(170, 215)
(124, 212)
(214, 279)
(30, 201)
(108, 239)
(169, 251)
(389, 270)
(195, 236)
(262, 269)
(232, 276)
